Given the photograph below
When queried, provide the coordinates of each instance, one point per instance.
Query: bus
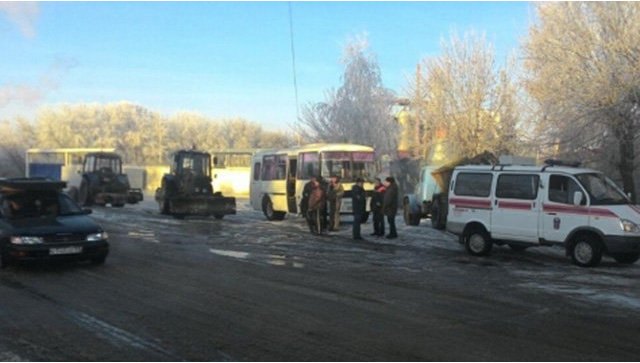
(278, 176)
(231, 170)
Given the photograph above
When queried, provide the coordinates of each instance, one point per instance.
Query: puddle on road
(274, 260)
(598, 296)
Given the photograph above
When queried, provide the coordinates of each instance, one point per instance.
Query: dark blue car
(39, 222)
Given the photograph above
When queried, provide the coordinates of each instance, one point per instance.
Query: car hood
(627, 211)
(54, 225)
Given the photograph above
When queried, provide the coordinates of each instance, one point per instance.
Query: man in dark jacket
(359, 203)
(304, 202)
(376, 208)
(390, 205)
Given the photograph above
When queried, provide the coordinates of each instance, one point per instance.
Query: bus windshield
(348, 165)
(601, 189)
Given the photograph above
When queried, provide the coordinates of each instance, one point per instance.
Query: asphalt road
(244, 288)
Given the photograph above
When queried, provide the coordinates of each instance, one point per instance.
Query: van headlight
(93, 237)
(629, 226)
(26, 240)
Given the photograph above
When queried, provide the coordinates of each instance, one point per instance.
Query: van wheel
(410, 219)
(586, 251)
(438, 214)
(267, 209)
(477, 242)
(626, 258)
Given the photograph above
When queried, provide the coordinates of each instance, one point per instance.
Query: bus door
(292, 168)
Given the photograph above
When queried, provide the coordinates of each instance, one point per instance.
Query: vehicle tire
(164, 206)
(477, 242)
(626, 258)
(178, 216)
(4, 260)
(218, 216)
(438, 219)
(365, 218)
(118, 205)
(517, 247)
(410, 219)
(99, 260)
(267, 209)
(84, 194)
(586, 250)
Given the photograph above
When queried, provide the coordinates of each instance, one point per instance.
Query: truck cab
(527, 206)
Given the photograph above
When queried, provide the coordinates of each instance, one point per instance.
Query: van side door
(515, 207)
(469, 200)
(559, 215)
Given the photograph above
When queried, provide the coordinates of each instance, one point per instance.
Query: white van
(525, 206)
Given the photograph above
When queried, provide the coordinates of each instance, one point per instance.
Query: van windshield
(602, 190)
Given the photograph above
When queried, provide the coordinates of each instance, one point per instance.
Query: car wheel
(218, 216)
(586, 251)
(517, 247)
(120, 205)
(626, 258)
(477, 242)
(4, 260)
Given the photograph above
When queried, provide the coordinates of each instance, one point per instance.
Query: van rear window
(473, 184)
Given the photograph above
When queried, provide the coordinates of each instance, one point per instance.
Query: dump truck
(103, 182)
(429, 199)
(187, 189)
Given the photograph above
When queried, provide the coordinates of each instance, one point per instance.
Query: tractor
(104, 182)
(187, 189)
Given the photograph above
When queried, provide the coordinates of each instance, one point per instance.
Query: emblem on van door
(556, 223)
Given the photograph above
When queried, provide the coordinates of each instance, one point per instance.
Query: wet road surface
(244, 288)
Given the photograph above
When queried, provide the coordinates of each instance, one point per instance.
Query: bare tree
(357, 112)
(464, 97)
(584, 65)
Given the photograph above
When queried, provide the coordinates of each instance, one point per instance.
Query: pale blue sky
(222, 59)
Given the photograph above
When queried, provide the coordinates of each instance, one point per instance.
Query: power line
(293, 61)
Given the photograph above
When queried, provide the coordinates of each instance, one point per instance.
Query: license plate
(65, 250)
(347, 206)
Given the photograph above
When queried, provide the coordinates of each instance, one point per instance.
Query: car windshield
(601, 189)
(37, 205)
(348, 165)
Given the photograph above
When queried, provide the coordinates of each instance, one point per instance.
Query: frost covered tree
(359, 111)
(463, 96)
(583, 60)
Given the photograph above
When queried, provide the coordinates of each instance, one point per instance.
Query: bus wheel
(267, 209)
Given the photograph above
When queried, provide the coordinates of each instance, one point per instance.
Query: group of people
(322, 201)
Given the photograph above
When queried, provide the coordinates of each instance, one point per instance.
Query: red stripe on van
(595, 212)
(471, 203)
(514, 205)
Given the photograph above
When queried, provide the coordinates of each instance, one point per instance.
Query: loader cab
(102, 163)
(189, 161)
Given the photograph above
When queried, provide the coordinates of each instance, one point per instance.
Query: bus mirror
(577, 198)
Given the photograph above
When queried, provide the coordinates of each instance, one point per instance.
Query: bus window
(274, 167)
(309, 165)
(337, 164)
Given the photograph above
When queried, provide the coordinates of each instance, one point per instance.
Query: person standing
(317, 203)
(359, 203)
(390, 205)
(376, 207)
(336, 192)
